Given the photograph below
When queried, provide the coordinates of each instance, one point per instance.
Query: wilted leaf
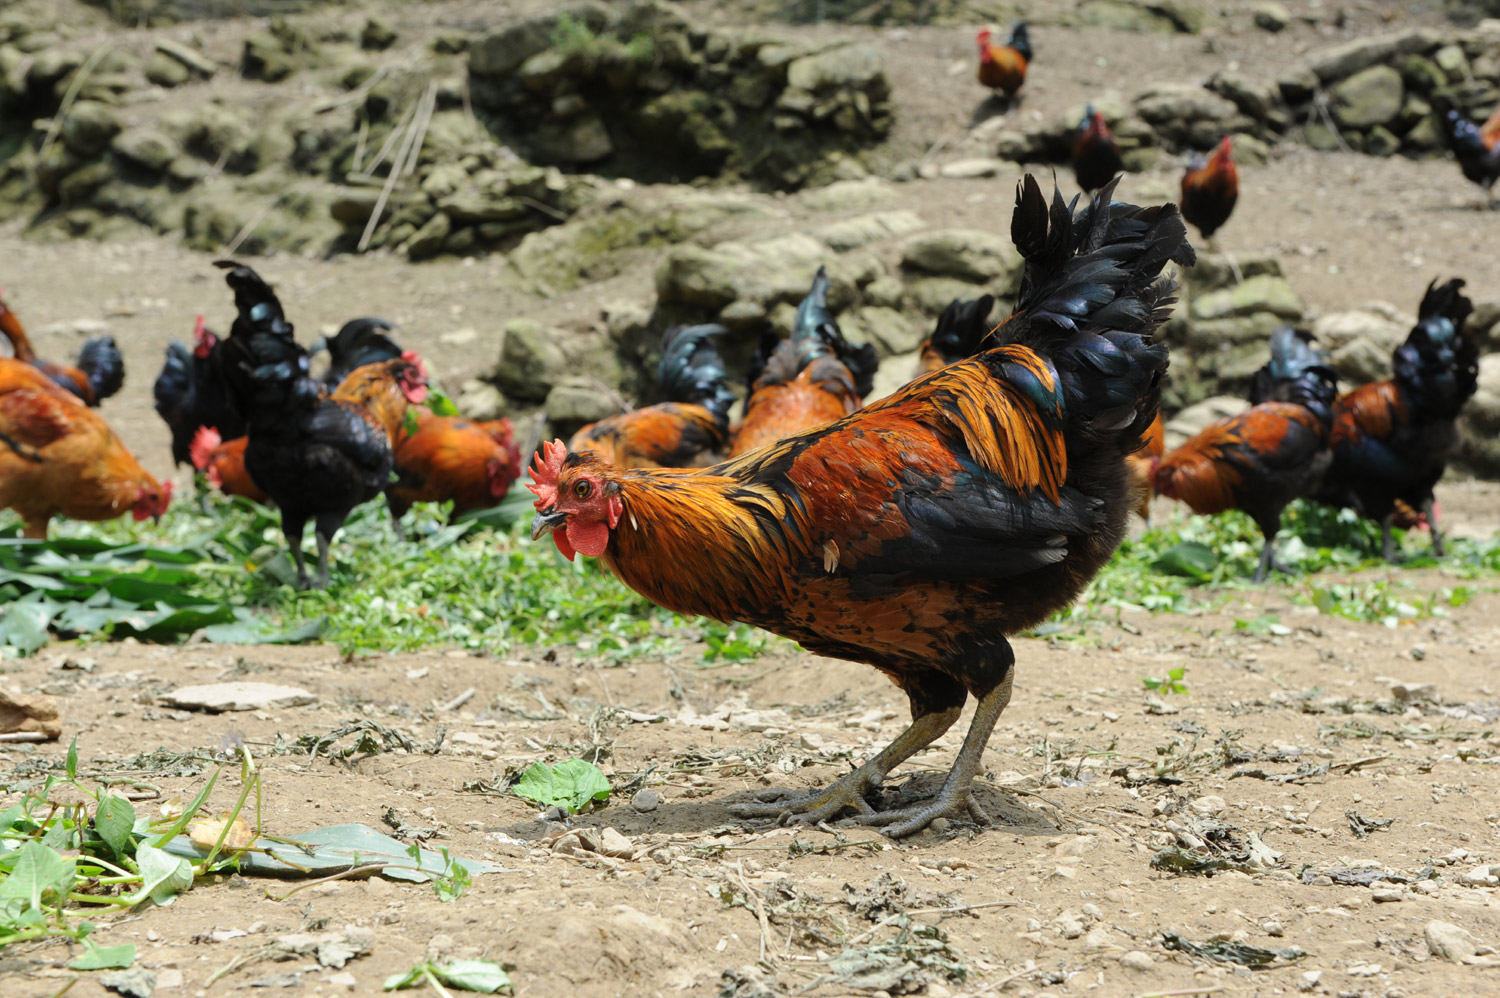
(96, 957)
(204, 832)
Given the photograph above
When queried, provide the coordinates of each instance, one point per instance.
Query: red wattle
(588, 538)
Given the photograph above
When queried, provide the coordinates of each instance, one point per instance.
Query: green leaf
(408, 979)
(163, 876)
(115, 820)
(38, 871)
(573, 784)
(1188, 558)
(96, 957)
(474, 975)
(339, 847)
(71, 765)
(440, 403)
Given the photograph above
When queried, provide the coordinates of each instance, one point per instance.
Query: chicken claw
(907, 820)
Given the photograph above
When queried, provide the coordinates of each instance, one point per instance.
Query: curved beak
(545, 522)
(318, 346)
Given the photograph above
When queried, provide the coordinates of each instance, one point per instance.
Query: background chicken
(1210, 187)
(1096, 156)
(470, 462)
(1477, 148)
(222, 464)
(916, 533)
(813, 377)
(959, 332)
(316, 456)
(59, 458)
(1003, 67)
(190, 395)
(1268, 455)
(357, 343)
(1141, 465)
(689, 428)
(99, 373)
(1391, 439)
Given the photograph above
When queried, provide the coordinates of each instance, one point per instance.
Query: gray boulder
(1370, 97)
(583, 139)
(146, 148)
(844, 67)
(1249, 95)
(967, 254)
(1378, 323)
(89, 127)
(1263, 293)
(1361, 360)
(1194, 418)
(531, 362)
(1350, 57)
(1142, 15)
(891, 331)
(1272, 17)
(574, 401)
(1182, 103)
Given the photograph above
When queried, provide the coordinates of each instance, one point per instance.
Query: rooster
(960, 330)
(469, 462)
(1477, 148)
(1391, 439)
(222, 464)
(60, 458)
(317, 456)
(1003, 67)
(1268, 455)
(1140, 466)
(1096, 156)
(357, 343)
(1210, 188)
(690, 428)
(100, 371)
(190, 396)
(813, 377)
(914, 534)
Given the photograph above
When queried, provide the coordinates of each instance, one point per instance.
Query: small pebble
(940, 825)
(1310, 979)
(1136, 960)
(646, 800)
(1273, 928)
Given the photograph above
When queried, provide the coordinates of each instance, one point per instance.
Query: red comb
(204, 442)
(544, 472)
(415, 360)
(199, 325)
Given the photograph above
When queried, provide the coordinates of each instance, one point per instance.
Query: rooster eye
(582, 490)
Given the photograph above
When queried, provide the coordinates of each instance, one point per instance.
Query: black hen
(1391, 439)
(359, 342)
(190, 394)
(960, 331)
(1293, 352)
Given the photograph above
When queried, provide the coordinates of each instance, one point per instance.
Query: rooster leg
(1438, 549)
(954, 799)
(326, 528)
(291, 529)
(850, 791)
(1387, 542)
(1268, 561)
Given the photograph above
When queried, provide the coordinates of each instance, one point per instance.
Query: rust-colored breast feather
(822, 392)
(1210, 182)
(1005, 69)
(1372, 410)
(666, 435)
(1489, 132)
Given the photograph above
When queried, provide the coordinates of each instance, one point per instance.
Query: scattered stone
(1409, 692)
(219, 697)
(530, 361)
(1309, 980)
(1263, 293)
(377, 35)
(1138, 961)
(147, 148)
(1271, 927)
(164, 71)
(645, 800)
(1447, 941)
(1209, 804)
(34, 712)
(612, 843)
(1272, 17)
(1478, 876)
(574, 401)
(189, 57)
(89, 127)
(1386, 892)
(963, 169)
(137, 982)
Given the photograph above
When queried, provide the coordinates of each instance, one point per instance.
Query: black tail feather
(359, 342)
(259, 308)
(691, 369)
(101, 362)
(1438, 365)
(962, 327)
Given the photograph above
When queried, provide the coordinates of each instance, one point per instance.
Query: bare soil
(1087, 776)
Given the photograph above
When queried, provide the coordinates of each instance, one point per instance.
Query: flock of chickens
(913, 534)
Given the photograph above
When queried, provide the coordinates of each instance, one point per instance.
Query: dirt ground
(1284, 732)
